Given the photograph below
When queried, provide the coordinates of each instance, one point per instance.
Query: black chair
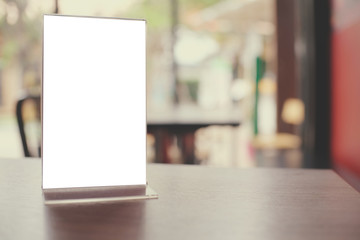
(28, 111)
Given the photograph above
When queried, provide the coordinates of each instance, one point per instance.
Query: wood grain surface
(195, 202)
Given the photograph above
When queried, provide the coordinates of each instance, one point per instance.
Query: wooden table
(182, 122)
(195, 202)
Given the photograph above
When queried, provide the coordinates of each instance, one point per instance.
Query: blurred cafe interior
(230, 83)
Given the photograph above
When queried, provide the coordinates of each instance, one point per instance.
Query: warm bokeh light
(293, 111)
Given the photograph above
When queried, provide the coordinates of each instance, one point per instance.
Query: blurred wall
(286, 68)
(346, 89)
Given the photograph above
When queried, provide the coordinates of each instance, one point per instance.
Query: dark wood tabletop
(195, 202)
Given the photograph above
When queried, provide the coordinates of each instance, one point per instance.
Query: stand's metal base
(97, 194)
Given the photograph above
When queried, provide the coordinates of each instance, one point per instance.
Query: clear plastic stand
(97, 194)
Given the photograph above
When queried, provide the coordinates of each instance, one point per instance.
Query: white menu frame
(93, 102)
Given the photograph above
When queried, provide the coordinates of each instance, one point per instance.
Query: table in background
(195, 202)
(183, 121)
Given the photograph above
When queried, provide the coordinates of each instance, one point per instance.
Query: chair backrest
(29, 122)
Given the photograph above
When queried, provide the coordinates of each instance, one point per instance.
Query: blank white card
(94, 102)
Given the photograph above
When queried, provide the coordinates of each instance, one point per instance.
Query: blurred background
(231, 83)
